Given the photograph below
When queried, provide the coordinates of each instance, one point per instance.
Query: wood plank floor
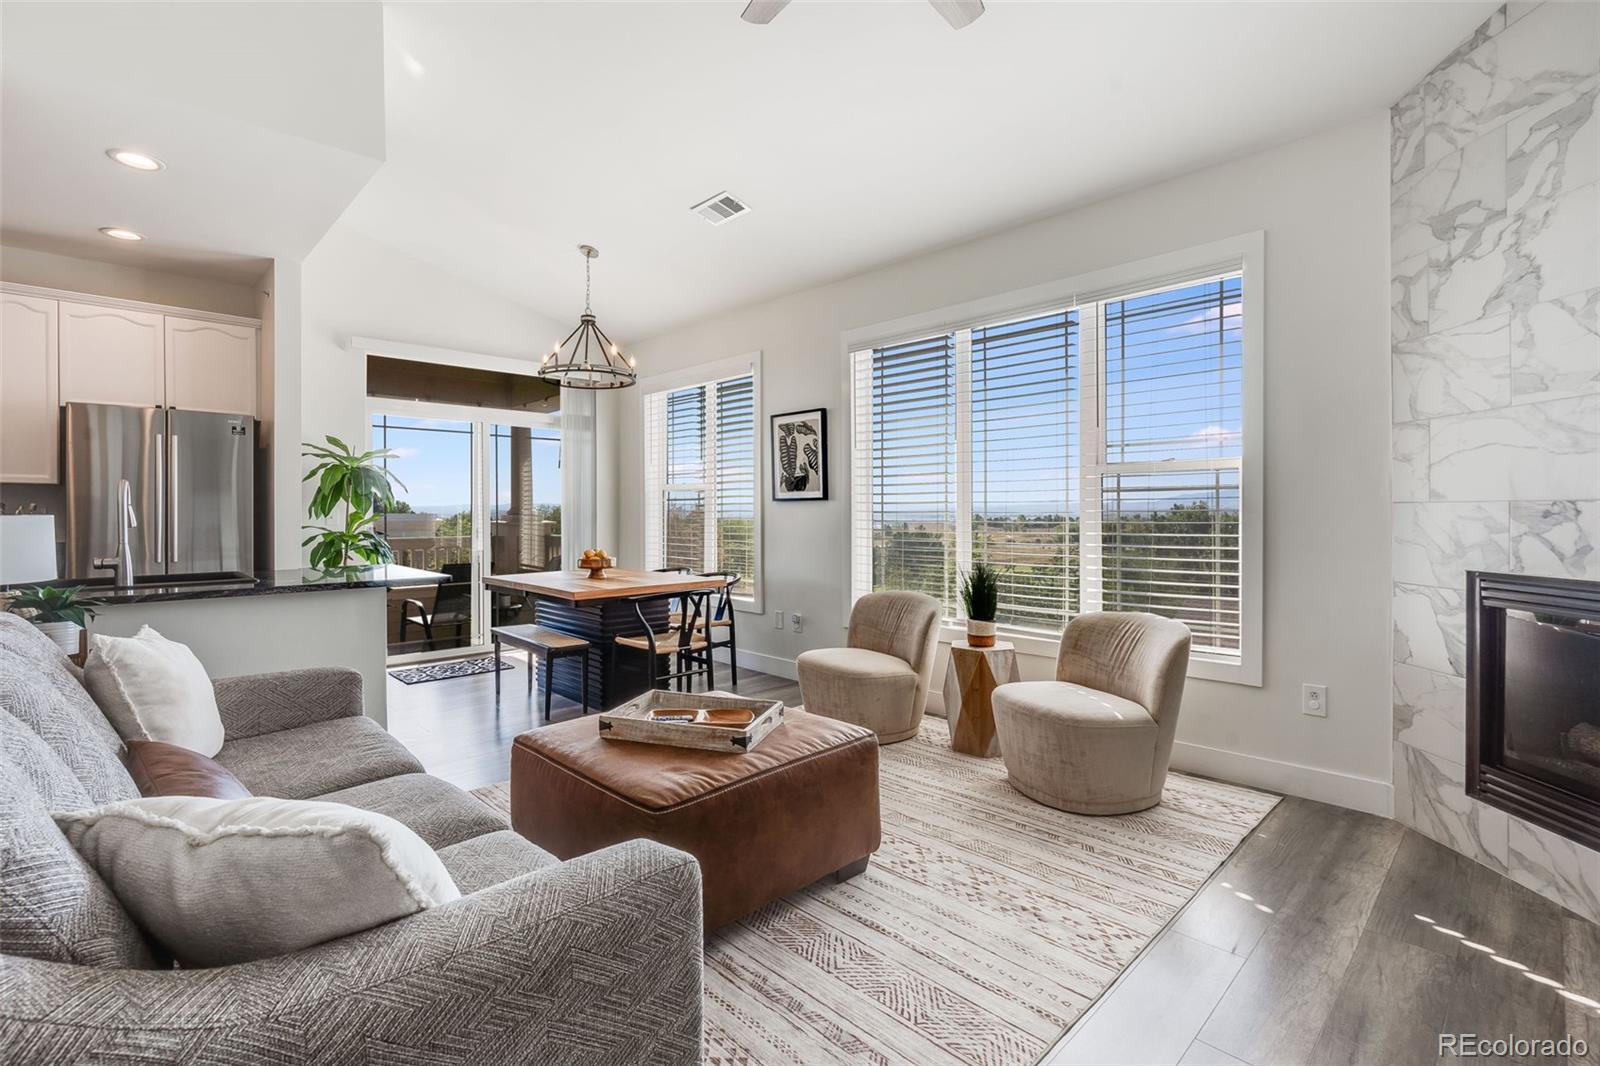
(1337, 937)
(1329, 936)
(456, 729)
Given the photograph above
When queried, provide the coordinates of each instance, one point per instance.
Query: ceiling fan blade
(958, 13)
(761, 12)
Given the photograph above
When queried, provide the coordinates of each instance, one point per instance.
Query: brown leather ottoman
(802, 805)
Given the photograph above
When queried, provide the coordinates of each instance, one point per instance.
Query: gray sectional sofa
(597, 959)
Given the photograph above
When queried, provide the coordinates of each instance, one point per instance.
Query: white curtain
(577, 474)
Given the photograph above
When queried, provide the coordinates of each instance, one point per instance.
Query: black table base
(616, 674)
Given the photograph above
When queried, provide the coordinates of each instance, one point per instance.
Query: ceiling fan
(958, 13)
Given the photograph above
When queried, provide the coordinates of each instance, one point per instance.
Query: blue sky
(434, 459)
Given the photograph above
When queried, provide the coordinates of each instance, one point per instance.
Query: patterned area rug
(984, 926)
(416, 675)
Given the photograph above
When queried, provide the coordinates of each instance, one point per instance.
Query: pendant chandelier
(587, 359)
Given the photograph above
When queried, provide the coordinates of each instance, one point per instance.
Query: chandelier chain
(587, 263)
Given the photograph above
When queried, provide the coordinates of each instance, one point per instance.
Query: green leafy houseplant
(980, 596)
(53, 603)
(364, 490)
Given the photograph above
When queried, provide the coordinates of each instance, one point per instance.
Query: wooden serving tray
(632, 721)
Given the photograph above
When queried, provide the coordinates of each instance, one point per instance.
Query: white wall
(278, 307)
(354, 286)
(1323, 204)
(25, 266)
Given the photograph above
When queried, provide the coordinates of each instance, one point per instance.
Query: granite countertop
(262, 583)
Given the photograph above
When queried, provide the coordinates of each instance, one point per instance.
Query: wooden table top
(576, 586)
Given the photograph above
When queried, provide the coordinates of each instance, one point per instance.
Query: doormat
(416, 675)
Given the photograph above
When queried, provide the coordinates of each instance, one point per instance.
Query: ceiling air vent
(723, 207)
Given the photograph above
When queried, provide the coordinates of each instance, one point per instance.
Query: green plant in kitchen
(980, 596)
(356, 483)
(59, 611)
(53, 603)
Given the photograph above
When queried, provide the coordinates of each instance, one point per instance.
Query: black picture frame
(790, 458)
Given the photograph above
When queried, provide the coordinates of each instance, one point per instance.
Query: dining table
(600, 609)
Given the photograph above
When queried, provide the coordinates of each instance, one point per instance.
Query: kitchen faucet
(122, 562)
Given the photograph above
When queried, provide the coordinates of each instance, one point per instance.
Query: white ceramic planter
(66, 634)
(980, 634)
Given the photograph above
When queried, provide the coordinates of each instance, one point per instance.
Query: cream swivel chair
(882, 679)
(1097, 739)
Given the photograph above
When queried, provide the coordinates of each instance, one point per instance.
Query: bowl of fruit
(597, 562)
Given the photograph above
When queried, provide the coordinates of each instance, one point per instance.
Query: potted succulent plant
(60, 611)
(980, 595)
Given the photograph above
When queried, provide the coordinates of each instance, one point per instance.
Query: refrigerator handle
(172, 464)
(161, 496)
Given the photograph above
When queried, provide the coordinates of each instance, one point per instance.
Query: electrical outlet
(797, 622)
(1314, 700)
(777, 618)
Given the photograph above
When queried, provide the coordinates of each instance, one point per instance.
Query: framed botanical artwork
(800, 455)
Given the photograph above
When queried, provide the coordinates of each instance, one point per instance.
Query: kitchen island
(272, 620)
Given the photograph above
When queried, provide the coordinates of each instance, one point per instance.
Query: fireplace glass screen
(1551, 729)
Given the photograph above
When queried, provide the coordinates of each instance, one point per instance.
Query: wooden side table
(970, 678)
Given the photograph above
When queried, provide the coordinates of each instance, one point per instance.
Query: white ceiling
(860, 133)
(269, 118)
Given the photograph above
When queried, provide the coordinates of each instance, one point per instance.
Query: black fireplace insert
(1533, 700)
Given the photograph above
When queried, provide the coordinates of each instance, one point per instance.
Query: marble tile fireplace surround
(1533, 700)
(1495, 338)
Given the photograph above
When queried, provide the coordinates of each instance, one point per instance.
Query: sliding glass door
(482, 496)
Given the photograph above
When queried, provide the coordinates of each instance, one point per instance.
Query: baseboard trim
(775, 665)
(1294, 779)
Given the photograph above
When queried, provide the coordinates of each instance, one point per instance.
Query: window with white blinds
(1023, 374)
(733, 439)
(1093, 453)
(1166, 476)
(702, 479)
(912, 398)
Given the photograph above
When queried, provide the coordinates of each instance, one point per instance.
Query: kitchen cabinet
(211, 366)
(30, 411)
(111, 355)
(60, 347)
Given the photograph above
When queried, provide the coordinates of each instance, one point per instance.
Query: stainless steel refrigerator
(192, 475)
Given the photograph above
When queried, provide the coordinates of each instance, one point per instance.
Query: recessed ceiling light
(135, 160)
(117, 233)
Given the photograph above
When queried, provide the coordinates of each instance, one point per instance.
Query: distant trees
(1182, 562)
(456, 525)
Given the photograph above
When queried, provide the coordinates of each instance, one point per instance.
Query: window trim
(699, 375)
(481, 421)
(1244, 253)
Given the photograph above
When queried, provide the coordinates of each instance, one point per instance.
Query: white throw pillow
(224, 881)
(152, 688)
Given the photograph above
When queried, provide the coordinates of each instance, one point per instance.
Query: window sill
(1031, 642)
